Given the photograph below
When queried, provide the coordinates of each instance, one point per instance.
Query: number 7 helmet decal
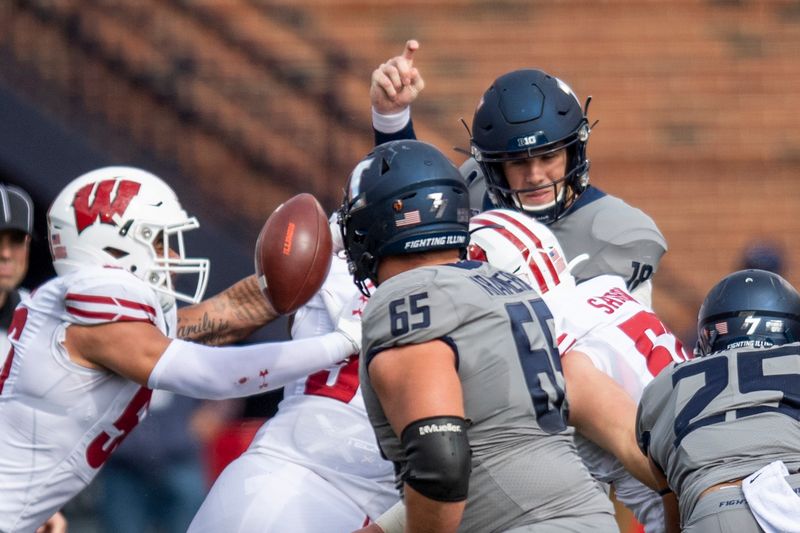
(127, 218)
(748, 308)
(404, 197)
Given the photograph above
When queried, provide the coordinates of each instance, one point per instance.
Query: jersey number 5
(101, 447)
(653, 340)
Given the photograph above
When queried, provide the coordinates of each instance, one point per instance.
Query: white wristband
(391, 123)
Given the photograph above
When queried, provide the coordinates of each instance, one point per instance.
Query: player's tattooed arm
(227, 317)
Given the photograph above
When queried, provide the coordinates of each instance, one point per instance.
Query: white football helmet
(128, 218)
(519, 244)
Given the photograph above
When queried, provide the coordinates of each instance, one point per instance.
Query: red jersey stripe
(108, 300)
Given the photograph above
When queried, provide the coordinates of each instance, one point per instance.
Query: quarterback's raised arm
(394, 86)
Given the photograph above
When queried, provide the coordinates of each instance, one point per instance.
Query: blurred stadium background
(243, 103)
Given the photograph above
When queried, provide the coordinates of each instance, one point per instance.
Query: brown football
(293, 253)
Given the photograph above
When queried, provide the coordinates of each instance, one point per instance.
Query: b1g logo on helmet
(531, 140)
(101, 205)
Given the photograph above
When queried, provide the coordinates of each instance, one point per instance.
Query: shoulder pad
(619, 239)
(476, 184)
(410, 308)
(620, 224)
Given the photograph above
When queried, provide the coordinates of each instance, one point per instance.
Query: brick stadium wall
(697, 103)
(696, 99)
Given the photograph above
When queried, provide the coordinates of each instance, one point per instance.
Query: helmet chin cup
(534, 209)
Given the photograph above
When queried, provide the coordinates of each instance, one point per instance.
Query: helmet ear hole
(115, 252)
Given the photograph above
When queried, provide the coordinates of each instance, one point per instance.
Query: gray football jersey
(525, 468)
(722, 417)
(620, 239)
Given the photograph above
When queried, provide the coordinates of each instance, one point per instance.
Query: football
(293, 253)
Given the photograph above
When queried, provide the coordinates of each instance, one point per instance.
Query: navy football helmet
(748, 308)
(403, 197)
(528, 113)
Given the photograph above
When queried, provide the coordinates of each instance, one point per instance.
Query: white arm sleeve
(220, 372)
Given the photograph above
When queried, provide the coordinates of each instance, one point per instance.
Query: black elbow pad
(438, 458)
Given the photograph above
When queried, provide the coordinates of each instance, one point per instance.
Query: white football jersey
(623, 337)
(626, 340)
(62, 420)
(322, 423)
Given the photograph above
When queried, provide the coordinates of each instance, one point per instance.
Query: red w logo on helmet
(102, 206)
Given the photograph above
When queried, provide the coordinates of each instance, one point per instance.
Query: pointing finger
(411, 46)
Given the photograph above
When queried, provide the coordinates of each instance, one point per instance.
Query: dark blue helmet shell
(748, 308)
(403, 197)
(527, 113)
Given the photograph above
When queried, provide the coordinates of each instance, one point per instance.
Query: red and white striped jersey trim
(101, 309)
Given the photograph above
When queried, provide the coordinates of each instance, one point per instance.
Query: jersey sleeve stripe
(108, 300)
(565, 343)
(108, 309)
(104, 316)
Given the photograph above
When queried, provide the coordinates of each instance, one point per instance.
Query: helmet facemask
(170, 264)
(361, 264)
(566, 189)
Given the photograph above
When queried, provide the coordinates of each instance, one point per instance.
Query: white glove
(346, 318)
